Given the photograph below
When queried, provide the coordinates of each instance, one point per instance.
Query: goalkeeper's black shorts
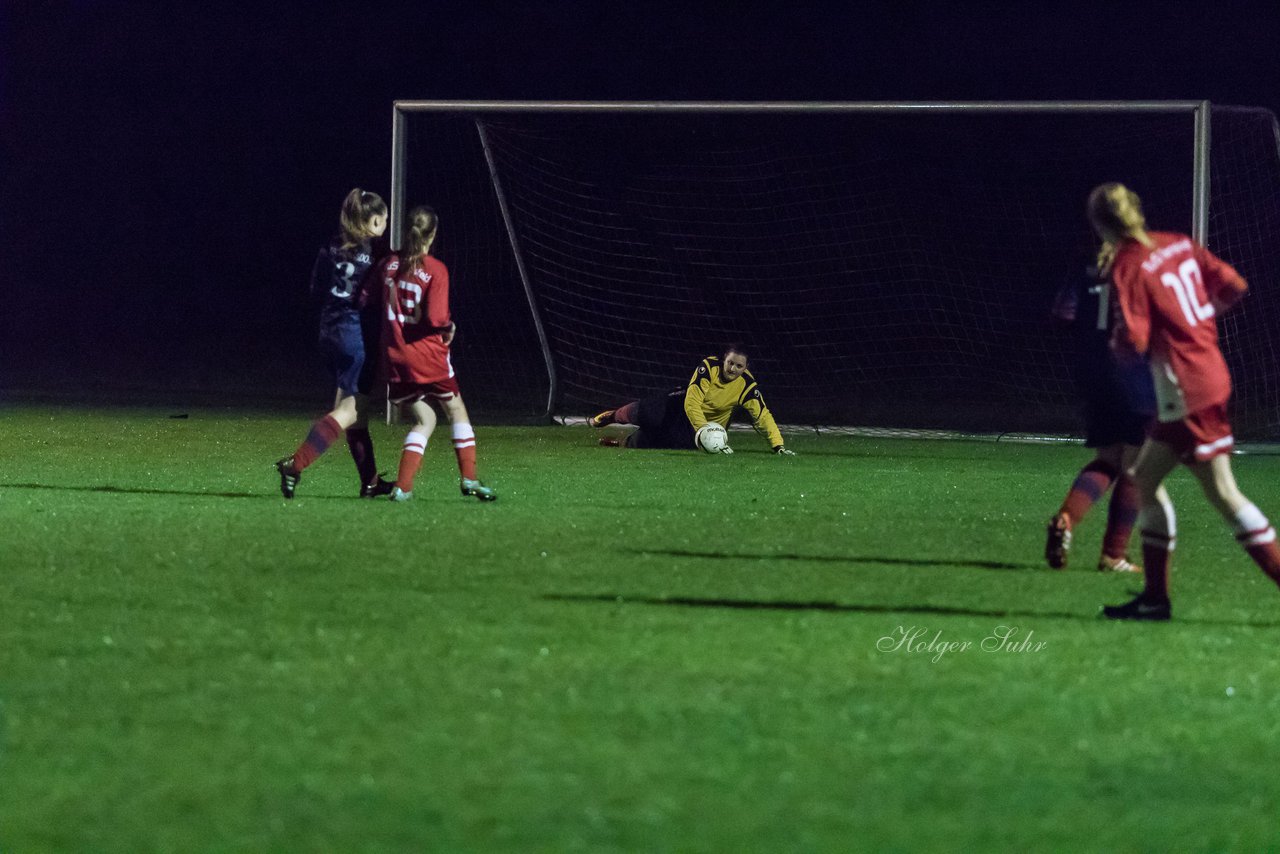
(663, 423)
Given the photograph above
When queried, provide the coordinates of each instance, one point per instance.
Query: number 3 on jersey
(1187, 285)
(345, 280)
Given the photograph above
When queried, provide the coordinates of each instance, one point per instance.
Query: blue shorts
(1119, 401)
(343, 349)
(1111, 422)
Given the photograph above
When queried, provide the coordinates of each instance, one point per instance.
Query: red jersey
(1168, 296)
(415, 314)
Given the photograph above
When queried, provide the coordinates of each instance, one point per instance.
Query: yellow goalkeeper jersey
(709, 399)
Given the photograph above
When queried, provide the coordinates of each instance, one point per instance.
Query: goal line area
(884, 269)
(1267, 448)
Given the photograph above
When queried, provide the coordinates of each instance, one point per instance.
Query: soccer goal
(886, 265)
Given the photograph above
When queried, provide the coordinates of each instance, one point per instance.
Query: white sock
(1252, 528)
(463, 435)
(416, 442)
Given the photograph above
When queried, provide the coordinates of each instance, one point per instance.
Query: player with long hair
(719, 385)
(416, 332)
(348, 342)
(1119, 404)
(1169, 290)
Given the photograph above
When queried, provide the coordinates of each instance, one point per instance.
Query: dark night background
(169, 172)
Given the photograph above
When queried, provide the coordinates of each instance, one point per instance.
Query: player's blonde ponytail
(358, 210)
(1115, 212)
(1106, 257)
(420, 233)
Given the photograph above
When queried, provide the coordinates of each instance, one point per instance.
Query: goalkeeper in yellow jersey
(719, 385)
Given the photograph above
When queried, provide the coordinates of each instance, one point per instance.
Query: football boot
(289, 476)
(378, 488)
(1139, 608)
(1058, 541)
(478, 489)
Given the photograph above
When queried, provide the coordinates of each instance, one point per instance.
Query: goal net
(885, 269)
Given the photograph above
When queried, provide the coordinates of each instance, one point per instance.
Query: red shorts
(1201, 436)
(445, 389)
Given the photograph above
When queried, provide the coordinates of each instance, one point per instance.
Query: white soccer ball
(712, 438)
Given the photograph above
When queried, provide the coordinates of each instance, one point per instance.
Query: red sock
(1267, 556)
(1122, 513)
(322, 435)
(626, 414)
(361, 445)
(415, 444)
(464, 447)
(1089, 486)
(1156, 550)
(1261, 546)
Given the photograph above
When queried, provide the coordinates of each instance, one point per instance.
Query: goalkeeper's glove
(725, 450)
(784, 451)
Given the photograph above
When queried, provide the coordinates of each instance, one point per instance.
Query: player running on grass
(718, 387)
(1169, 290)
(416, 332)
(348, 342)
(1119, 406)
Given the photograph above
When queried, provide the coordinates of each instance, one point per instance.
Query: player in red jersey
(1168, 291)
(416, 333)
(348, 341)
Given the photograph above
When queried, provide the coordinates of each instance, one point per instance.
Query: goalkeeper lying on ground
(718, 386)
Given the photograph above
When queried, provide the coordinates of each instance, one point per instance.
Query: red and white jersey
(1166, 297)
(415, 314)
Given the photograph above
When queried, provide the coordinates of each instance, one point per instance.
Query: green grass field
(630, 651)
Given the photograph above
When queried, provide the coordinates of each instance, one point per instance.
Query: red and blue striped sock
(1091, 484)
(323, 434)
(1122, 514)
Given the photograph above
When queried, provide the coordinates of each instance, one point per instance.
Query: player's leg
(1093, 481)
(1122, 515)
(415, 445)
(1090, 484)
(323, 433)
(1252, 529)
(464, 447)
(344, 354)
(626, 417)
(676, 431)
(625, 414)
(359, 441)
(663, 424)
(1158, 528)
(464, 437)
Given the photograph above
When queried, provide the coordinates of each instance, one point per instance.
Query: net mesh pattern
(880, 270)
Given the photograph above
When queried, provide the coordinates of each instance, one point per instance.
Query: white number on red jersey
(409, 297)
(1186, 285)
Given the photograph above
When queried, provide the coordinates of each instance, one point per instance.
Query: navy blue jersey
(1102, 378)
(335, 284)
